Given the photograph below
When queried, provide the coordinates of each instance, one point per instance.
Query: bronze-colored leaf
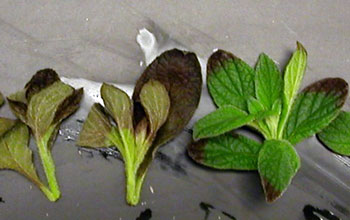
(95, 129)
(180, 73)
(69, 105)
(42, 79)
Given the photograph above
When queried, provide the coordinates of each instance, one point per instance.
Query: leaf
(6, 125)
(180, 73)
(119, 105)
(1, 99)
(230, 80)
(220, 121)
(156, 103)
(268, 81)
(278, 162)
(95, 129)
(43, 106)
(227, 151)
(68, 106)
(15, 155)
(41, 80)
(18, 104)
(254, 106)
(337, 135)
(293, 76)
(315, 107)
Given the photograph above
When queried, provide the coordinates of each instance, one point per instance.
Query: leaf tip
(217, 58)
(301, 48)
(334, 86)
(271, 193)
(196, 150)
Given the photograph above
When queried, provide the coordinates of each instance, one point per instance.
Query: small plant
(264, 100)
(164, 100)
(42, 105)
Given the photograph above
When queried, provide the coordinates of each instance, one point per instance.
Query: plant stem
(49, 167)
(133, 187)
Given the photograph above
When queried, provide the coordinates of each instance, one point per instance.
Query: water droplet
(47, 214)
(151, 189)
(141, 63)
(86, 19)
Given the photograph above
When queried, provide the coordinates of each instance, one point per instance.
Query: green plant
(164, 100)
(264, 100)
(42, 105)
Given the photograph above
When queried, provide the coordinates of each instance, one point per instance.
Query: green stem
(48, 193)
(49, 167)
(133, 187)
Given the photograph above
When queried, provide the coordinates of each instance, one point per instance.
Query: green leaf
(119, 105)
(1, 99)
(15, 155)
(226, 152)
(337, 135)
(220, 121)
(95, 129)
(278, 162)
(230, 80)
(180, 73)
(156, 103)
(43, 106)
(316, 106)
(268, 81)
(18, 104)
(293, 76)
(6, 125)
(255, 107)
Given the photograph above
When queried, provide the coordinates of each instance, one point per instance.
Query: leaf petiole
(48, 164)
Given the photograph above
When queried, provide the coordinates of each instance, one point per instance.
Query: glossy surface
(96, 40)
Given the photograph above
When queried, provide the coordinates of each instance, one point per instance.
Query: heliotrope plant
(164, 100)
(42, 105)
(264, 100)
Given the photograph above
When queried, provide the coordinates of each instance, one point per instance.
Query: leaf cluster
(164, 100)
(42, 105)
(270, 103)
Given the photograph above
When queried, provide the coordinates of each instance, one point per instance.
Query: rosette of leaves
(42, 105)
(164, 100)
(270, 103)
